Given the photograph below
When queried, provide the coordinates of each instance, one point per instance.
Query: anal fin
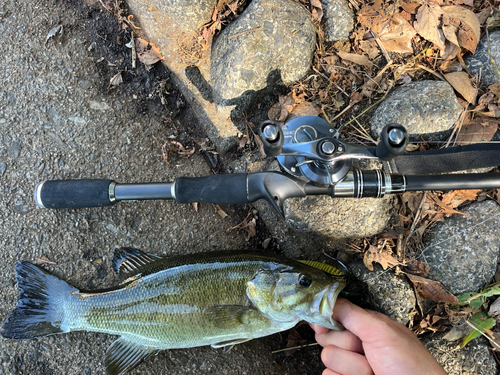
(124, 355)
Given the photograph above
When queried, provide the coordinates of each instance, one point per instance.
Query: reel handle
(272, 137)
(393, 142)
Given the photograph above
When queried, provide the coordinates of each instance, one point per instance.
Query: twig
(415, 221)
(294, 347)
(419, 66)
(134, 53)
(366, 110)
(457, 127)
(381, 46)
(482, 333)
(245, 32)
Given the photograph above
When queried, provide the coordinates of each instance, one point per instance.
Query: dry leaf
(305, 109)
(480, 130)
(43, 260)
(280, 111)
(116, 80)
(455, 198)
(383, 257)
(317, 10)
(294, 339)
(195, 206)
(355, 58)
(467, 24)
(427, 24)
(147, 52)
(415, 267)
(432, 290)
(221, 213)
(395, 33)
(461, 82)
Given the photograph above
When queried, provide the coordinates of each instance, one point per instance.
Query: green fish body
(218, 299)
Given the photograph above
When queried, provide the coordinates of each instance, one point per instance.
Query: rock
(186, 16)
(392, 294)
(333, 218)
(3, 167)
(463, 251)
(338, 19)
(14, 149)
(481, 62)
(424, 107)
(474, 358)
(271, 39)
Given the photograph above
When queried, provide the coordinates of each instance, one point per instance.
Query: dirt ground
(60, 119)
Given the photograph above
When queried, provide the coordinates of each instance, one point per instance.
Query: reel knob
(272, 138)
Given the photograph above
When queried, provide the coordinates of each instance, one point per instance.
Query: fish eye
(305, 280)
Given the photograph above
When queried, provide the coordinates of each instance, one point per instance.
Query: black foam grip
(73, 193)
(219, 189)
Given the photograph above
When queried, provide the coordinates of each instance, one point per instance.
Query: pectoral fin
(233, 317)
(123, 355)
(229, 342)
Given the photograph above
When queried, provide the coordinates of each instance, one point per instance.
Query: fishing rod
(314, 162)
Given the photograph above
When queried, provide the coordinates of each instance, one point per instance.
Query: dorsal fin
(123, 355)
(127, 261)
(341, 270)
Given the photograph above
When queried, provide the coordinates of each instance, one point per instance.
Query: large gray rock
(481, 62)
(390, 293)
(270, 38)
(332, 218)
(338, 19)
(423, 107)
(181, 15)
(475, 358)
(463, 251)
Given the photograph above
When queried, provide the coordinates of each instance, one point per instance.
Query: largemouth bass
(217, 298)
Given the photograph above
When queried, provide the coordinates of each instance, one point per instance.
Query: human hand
(372, 343)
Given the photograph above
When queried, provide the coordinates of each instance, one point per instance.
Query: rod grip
(219, 189)
(73, 193)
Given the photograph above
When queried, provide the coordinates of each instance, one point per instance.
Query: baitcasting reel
(308, 148)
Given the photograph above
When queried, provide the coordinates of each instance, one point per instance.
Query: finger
(341, 339)
(330, 372)
(318, 329)
(356, 319)
(345, 362)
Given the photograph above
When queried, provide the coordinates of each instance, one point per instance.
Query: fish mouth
(322, 307)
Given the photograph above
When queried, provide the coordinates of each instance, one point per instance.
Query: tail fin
(40, 308)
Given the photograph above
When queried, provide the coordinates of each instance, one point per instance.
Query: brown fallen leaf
(432, 290)
(395, 33)
(280, 111)
(480, 130)
(468, 27)
(415, 267)
(427, 24)
(293, 340)
(383, 257)
(355, 58)
(455, 198)
(43, 260)
(147, 52)
(304, 109)
(317, 10)
(461, 82)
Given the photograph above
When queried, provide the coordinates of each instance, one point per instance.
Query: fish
(217, 298)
